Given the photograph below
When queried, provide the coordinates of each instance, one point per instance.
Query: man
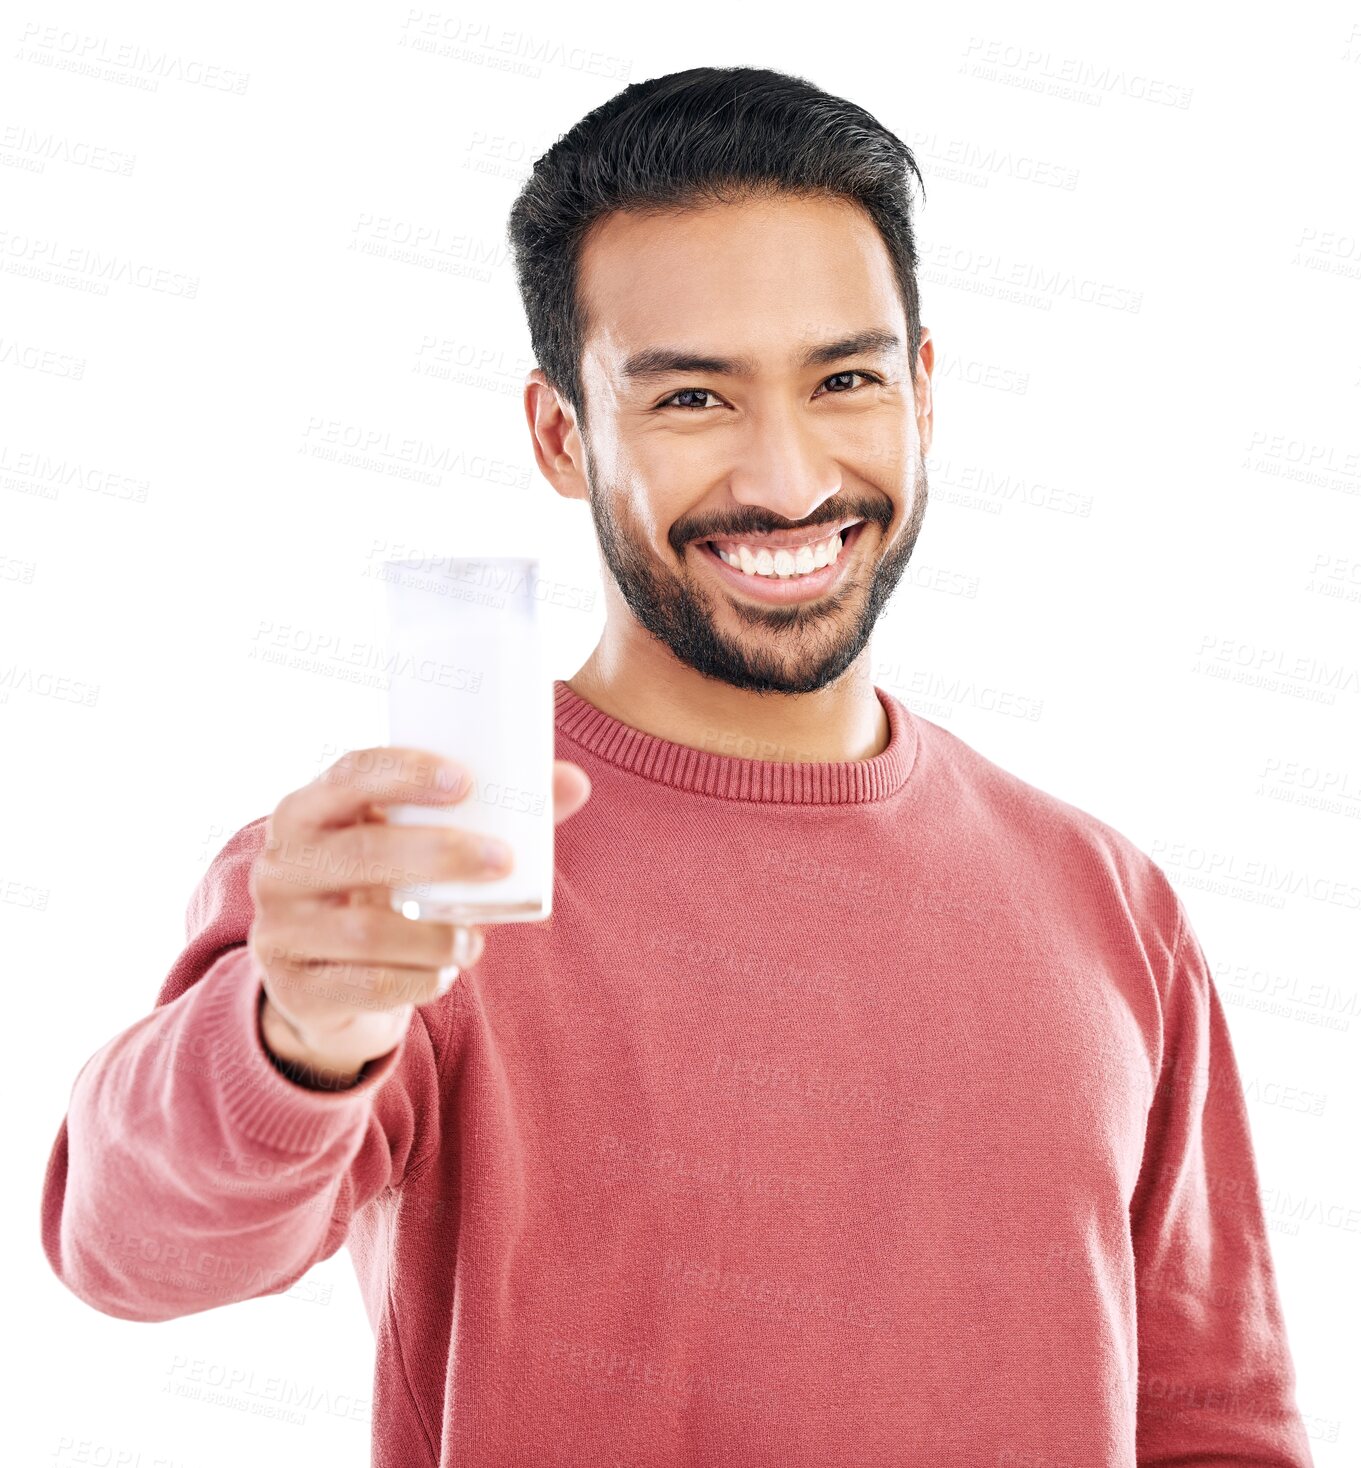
(860, 1103)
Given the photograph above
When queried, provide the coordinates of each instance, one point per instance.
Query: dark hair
(704, 136)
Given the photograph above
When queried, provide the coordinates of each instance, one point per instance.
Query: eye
(703, 392)
(868, 376)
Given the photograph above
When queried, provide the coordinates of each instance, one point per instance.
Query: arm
(1216, 1381)
(190, 1171)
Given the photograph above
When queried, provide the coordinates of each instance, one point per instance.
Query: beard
(801, 647)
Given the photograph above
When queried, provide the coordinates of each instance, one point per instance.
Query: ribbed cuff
(259, 1101)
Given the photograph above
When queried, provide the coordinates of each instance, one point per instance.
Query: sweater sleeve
(188, 1171)
(1216, 1380)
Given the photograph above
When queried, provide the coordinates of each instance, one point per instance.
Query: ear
(926, 357)
(558, 449)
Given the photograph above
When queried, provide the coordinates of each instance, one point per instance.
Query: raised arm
(189, 1171)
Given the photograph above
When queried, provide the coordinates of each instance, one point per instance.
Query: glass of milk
(469, 681)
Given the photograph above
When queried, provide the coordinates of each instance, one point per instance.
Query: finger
(360, 778)
(571, 789)
(468, 939)
(370, 854)
(318, 992)
(361, 933)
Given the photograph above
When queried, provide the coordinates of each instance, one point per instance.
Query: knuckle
(369, 840)
(450, 854)
(426, 857)
(340, 768)
(375, 770)
(358, 924)
(266, 874)
(348, 772)
(463, 853)
(424, 770)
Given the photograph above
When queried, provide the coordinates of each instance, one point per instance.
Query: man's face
(779, 452)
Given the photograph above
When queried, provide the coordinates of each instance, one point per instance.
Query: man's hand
(342, 970)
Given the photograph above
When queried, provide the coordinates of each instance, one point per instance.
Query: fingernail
(495, 853)
(447, 978)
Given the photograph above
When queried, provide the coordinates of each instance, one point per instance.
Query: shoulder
(220, 910)
(1084, 853)
(225, 886)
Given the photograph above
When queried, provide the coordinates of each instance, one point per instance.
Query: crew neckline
(733, 777)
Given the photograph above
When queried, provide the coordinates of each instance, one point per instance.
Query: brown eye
(703, 392)
(868, 376)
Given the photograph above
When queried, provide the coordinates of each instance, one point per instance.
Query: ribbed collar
(730, 777)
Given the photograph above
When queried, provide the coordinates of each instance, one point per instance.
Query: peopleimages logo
(123, 61)
(26, 147)
(24, 254)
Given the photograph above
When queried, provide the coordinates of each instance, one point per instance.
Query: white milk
(469, 682)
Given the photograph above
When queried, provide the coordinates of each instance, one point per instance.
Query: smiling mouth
(760, 561)
(784, 584)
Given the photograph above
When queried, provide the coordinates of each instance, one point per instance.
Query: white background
(1143, 522)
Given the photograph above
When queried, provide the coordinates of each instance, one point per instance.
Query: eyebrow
(665, 361)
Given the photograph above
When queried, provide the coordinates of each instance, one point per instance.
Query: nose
(784, 468)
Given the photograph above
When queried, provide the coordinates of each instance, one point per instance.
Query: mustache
(735, 530)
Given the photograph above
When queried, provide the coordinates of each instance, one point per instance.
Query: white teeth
(782, 563)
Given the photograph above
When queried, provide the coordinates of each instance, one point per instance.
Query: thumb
(571, 789)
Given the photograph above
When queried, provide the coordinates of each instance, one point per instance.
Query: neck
(645, 687)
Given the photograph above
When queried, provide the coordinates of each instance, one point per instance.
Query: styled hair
(710, 135)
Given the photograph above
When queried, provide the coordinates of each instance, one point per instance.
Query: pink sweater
(877, 1112)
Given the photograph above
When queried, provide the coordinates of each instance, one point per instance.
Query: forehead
(760, 278)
